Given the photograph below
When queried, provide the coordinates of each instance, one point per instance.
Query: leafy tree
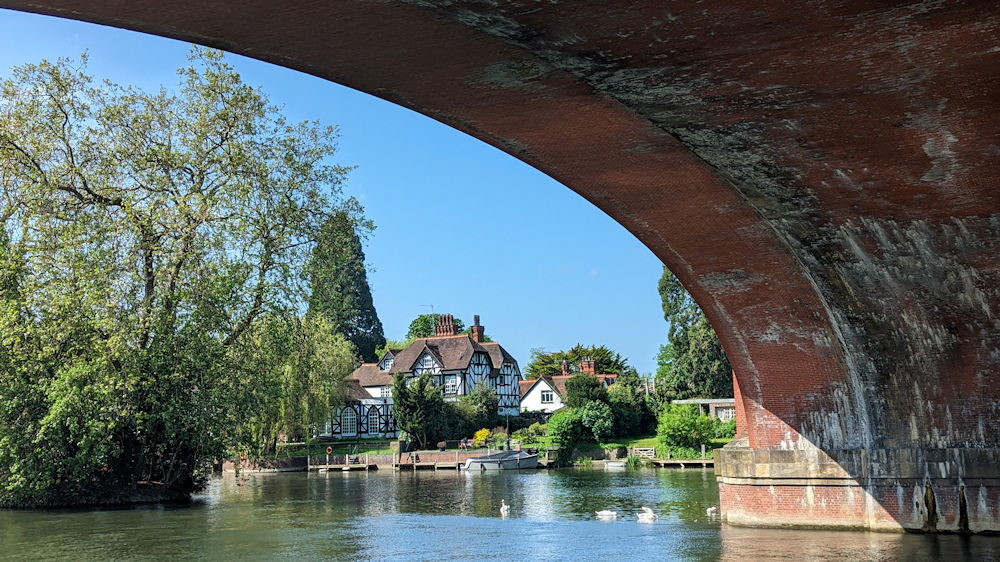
(597, 417)
(148, 238)
(423, 326)
(339, 283)
(418, 407)
(629, 411)
(582, 388)
(480, 406)
(545, 363)
(692, 364)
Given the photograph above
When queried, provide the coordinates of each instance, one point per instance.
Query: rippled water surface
(449, 516)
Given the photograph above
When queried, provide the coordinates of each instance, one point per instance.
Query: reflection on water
(449, 515)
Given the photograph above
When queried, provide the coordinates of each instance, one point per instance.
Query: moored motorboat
(504, 460)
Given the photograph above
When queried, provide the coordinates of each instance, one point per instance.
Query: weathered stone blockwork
(937, 490)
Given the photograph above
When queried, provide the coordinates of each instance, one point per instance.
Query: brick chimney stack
(588, 366)
(565, 368)
(477, 330)
(445, 325)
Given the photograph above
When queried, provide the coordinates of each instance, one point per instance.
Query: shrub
(597, 417)
(481, 436)
(724, 429)
(539, 429)
(566, 430)
(682, 426)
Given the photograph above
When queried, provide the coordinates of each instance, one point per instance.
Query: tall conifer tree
(340, 288)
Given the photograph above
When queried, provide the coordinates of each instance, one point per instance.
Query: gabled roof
(369, 374)
(498, 355)
(525, 386)
(451, 352)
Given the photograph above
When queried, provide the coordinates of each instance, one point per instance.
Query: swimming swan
(646, 515)
(504, 509)
(607, 514)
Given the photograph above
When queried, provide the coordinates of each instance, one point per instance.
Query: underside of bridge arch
(823, 177)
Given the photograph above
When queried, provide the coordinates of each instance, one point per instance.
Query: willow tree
(149, 239)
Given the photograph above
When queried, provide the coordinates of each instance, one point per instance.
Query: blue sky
(460, 225)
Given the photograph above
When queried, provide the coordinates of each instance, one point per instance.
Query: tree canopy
(544, 363)
(692, 363)
(339, 284)
(153, 272)
(423, 326)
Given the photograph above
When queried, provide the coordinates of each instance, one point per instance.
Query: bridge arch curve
(823, 181)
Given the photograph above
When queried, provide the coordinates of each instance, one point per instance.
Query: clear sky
(460, 225)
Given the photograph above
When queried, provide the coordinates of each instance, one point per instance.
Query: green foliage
(566, 429)
(582, 388)
(681, 425)
(544, 363)
(423, 326)
(724, 429)
(391, 344)
(692, 363)
(628, 406)
(153, 262)
(418, 407)
(339, 284)
(480, 406)
(597, 417)
(532, 433)
(634, 462)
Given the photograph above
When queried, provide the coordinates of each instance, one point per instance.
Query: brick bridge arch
(822, 177)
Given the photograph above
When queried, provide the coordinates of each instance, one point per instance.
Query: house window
(373, 421)
(451, 384)
(349, 422)
(725, 413)
(547, 397)
(386, 392)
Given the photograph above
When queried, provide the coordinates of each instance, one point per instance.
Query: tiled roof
(355, 391)
(498, 355)
(525, 386)
(368, 374)
(451, 352)
(558, 382)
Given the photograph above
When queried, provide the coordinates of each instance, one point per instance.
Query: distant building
(548, 394)
(722, 408)
(457, 363)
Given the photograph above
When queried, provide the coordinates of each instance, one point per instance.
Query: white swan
(711, 511)
(607, 514)
(646, 515)
(504, 509)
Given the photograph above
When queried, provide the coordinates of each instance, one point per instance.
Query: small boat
(614, 464)
(504, 460)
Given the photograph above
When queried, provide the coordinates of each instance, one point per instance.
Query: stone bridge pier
(823, 177)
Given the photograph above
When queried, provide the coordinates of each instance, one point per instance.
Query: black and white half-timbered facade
(368, 408)
(457, 363)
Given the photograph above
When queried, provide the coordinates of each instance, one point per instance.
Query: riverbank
(434, 459)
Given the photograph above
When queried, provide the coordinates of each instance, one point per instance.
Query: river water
(448, 515)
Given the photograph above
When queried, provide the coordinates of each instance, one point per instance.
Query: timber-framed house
(457, 363)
